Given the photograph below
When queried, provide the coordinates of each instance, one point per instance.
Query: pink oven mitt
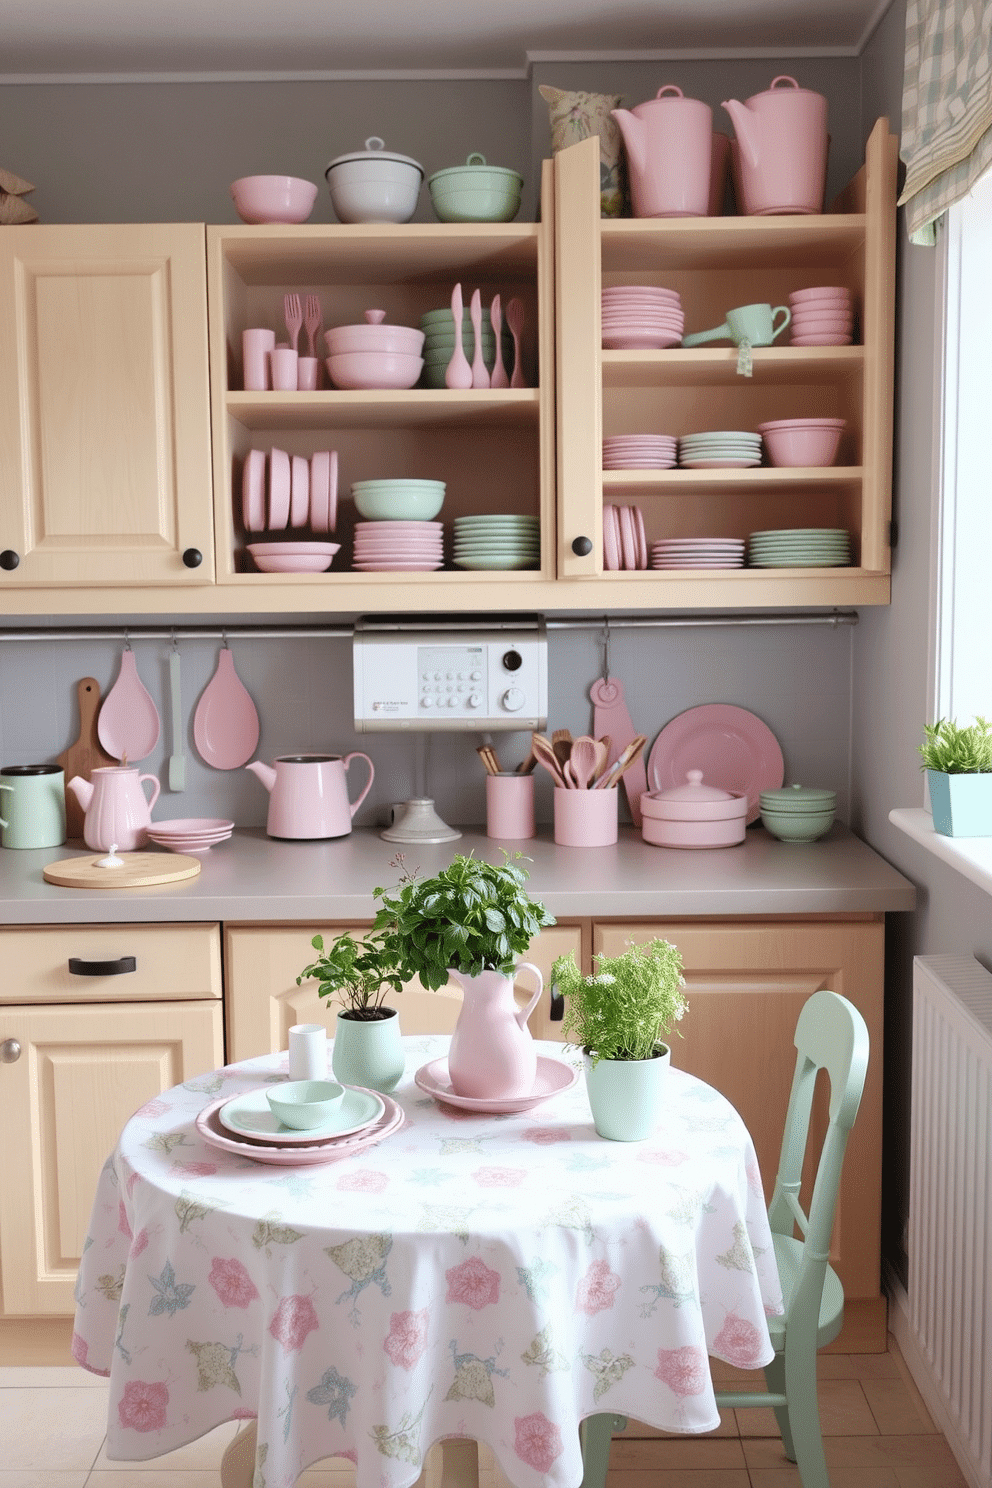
(610, 716)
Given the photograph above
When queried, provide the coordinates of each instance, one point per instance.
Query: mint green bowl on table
(476, 192)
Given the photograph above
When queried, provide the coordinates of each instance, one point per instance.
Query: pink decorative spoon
(458, 373)
(499, 378)
(515, 320)
(225, 724)
(129, 725)
(480, 373)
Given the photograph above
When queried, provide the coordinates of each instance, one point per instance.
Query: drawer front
(109, 963)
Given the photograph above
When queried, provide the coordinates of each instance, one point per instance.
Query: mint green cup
(32, 806)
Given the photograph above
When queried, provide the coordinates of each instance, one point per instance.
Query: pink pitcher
(781, 151)
(492, 1055)
(669, 145)
(308, 794)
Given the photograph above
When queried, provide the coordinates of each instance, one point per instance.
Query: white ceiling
(190, 37)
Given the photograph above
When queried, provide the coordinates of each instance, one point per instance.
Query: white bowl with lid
(694, 815)
(374, 184)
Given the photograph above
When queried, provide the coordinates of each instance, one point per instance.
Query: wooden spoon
(561, 743)
(547, 757)
(621, 763)
(583, 760)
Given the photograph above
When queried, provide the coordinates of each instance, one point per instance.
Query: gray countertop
(255, 878)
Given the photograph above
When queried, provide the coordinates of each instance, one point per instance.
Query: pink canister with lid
(669, 147)
(694, 815)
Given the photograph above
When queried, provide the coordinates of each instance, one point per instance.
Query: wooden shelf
(417, 408)
(379, 253)
(656, 245)
(757, 480)
(709, 367)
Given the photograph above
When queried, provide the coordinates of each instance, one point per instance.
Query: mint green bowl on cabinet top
(476, 192)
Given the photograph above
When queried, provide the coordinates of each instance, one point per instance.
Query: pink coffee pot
(492, 1054)
(308, 794)
(782, 149)
(118, 813)
(669, 145)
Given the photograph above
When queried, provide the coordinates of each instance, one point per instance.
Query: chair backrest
(429, 1012)
(830, 1035)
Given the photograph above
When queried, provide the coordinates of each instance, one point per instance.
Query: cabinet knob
(192, 557)
(9, 559)
(10, 1051)
(581, 546)
(123, 964)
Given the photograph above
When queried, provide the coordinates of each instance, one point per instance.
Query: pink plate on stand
(731, 746)
(611, 537)
(299, 499)
(279, 488)
(553, 1076)
(331, 1149)
(324, 491)
(253, 491)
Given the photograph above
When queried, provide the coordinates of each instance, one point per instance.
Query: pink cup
(585, 818)
(509, 805)
(284, 363)
(307, 369)
(256, 346)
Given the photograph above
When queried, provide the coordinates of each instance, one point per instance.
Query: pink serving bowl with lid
(694, 815)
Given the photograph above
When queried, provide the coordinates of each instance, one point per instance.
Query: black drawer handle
(557, 1004)
(123, 964)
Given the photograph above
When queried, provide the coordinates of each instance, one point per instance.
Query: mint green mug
(755, 324)
(32, 806)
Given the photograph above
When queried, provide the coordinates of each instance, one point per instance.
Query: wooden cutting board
(85, 755)
(137, 869)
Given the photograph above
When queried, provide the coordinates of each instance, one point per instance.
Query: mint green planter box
(962, 804)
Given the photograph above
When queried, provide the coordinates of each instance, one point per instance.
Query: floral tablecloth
(498, 1278)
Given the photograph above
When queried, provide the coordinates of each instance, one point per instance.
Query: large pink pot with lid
(669, 146)
(694, 815)
(780, 158)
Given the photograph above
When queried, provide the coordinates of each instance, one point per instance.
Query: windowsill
(971, 856)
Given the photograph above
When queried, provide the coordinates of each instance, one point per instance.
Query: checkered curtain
(946, 107)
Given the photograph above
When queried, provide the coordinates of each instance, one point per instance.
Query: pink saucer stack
(398, 546)
(698, 552)
(624, 540)
(822, 317)
(192, 834)
(641, 317)
(639, 452)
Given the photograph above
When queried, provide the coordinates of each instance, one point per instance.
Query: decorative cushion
(577, 116)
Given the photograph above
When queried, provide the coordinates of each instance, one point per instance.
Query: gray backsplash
(796, 678)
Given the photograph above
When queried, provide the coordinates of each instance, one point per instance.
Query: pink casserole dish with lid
(694, 815)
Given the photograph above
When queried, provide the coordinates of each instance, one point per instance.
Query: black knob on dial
(9, 559)
(581, 546)
(192, 557)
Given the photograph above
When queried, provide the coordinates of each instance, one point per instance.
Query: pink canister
(781, 156)
(669, 146)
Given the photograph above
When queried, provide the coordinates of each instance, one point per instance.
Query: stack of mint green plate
(439, 342)
(499, 540)
(800, 547)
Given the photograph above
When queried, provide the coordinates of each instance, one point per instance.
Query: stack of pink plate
(624, 541)
(641, 317)
(293, 557)
(822, 317)
(698, 552)
(242, 1126)
(281, 490)
(639, 452)
(398, 546)
(190, 834)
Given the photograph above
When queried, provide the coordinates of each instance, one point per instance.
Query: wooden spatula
(85, 755)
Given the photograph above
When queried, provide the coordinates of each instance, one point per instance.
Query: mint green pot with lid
(798, 813)
(475, 192)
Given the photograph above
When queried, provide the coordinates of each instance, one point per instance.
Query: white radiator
(950, 1199)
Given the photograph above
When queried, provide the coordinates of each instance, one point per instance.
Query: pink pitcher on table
(781, 151)
(492, 1054)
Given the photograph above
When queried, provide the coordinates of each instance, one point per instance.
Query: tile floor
(877, 1430)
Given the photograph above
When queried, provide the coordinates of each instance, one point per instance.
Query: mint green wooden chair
(830, 1035)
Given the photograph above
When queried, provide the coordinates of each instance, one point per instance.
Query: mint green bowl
(476, 192)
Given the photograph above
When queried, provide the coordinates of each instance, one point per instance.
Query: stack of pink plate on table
(191, 834)
(245, 1126)
(698, 552)
(821, 317)
(282, 490)
(398, 546)
(293, 557)
(639, 452)
(624, 541)
(641, 317)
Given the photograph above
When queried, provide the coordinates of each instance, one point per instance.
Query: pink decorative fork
(312, 320)
(294, 318)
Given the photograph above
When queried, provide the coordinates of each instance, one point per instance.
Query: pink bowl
(809, 325)
(693, 834)
(273, 198)
(802, 446)
(374, 369)
(826, 291)
(803, 423)
(392, 339)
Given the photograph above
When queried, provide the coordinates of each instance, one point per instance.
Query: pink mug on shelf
(585, 818)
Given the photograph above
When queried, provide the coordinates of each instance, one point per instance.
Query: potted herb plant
(469, 923)
(958, 762)
(621, 1016)
(359, 974)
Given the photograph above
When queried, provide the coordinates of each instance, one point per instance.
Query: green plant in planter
(955, 749)
(359, 973)
(471, 917)
(628, 1006)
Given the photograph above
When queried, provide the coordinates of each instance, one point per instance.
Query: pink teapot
(781, 149)
(308, 794)
(669, 145)
(492, 1054)
(118, 813)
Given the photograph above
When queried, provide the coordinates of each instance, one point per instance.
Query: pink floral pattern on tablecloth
(142, 1406)
(295, 1318)
(739, 1342)
(499, 1177)
(686, 1371)
(597, 1289)
(407, 1337)
(473, 1283)
(231, 1282)
(366, 1180)
(537, 1441)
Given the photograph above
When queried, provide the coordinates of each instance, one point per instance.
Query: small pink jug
(782, 149)
(118, 813)
(308, 794)
(492, 1055)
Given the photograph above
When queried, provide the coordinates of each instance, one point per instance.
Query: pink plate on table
(733, 748)
(553, 1076)
(331, 1149)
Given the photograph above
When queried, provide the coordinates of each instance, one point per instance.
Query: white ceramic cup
(509, 805)
(285, 369)
(585, 818)
(256, 347)
(308, 1051)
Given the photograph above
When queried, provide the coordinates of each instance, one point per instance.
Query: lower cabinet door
(80, 1074)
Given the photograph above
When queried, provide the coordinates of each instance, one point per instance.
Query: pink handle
(157, 784)
(672, 88)
(783, 78)
(522, 1014)
(357, 754)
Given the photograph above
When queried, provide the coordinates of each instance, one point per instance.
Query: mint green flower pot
(368, 1053)
(626, 1096)
(961, 804)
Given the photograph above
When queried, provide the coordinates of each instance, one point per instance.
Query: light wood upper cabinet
(104, 406)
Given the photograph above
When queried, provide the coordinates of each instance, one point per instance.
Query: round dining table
(498, 1277)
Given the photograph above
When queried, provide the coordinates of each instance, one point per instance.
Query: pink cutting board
(610, 716)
